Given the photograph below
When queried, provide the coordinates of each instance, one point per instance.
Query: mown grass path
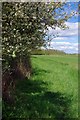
(51, 92)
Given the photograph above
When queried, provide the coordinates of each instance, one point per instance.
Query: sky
(67, 40)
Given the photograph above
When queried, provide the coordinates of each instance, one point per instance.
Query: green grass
(51, 92)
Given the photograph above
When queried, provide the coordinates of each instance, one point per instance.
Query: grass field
(51, 92)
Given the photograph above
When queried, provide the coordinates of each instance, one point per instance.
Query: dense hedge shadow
(34, 101)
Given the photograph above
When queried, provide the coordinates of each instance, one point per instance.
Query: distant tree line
(47, 52)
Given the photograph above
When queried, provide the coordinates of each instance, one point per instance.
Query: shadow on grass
(34, 101)
(38, 71)
(30, 86)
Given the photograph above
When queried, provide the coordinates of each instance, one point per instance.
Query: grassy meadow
(51, 92)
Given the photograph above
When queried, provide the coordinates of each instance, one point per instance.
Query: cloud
(67, 33)
(72, 31)
(59, 38)
(71, 35)
(65, 46)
